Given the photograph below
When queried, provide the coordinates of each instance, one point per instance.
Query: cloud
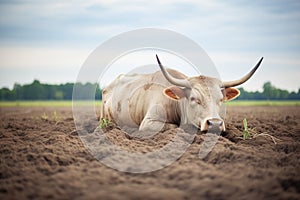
(220, 24)
(58, 34)
(23, 64)
(41, 57)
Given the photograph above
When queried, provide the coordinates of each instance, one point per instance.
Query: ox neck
(183, 111)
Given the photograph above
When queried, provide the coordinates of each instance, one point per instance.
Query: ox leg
(155, 125)
(155, 120)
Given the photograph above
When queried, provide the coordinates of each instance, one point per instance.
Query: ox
(167, 99)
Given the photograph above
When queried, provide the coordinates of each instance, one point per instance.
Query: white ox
(167, 99)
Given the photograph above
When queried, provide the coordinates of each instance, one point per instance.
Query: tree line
(269, 92)
(40, 91)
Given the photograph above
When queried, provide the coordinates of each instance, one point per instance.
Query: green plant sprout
(251, 133)
(246, 133)
(105, 123)
(44, 116)
(55, 116)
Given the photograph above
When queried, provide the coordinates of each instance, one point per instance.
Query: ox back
(130, 99)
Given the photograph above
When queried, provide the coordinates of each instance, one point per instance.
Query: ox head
(203, 96)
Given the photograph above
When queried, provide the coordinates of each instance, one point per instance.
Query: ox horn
(171, 79)
(243, 79)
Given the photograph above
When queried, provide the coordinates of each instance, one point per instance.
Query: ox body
(167, 99)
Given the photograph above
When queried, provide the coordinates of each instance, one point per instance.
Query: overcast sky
(50, 40)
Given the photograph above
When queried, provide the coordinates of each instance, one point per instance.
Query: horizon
(240, 86)
(50, 40)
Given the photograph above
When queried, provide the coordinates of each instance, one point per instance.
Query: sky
(50, 40)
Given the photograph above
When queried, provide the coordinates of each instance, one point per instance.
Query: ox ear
(174, 92)
(230, 93)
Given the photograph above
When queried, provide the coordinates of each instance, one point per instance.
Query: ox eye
(193, 99)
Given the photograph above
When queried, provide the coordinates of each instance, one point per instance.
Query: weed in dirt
(251, 133)
(56, 117)
(246, 133)
(44, 116)
(105, 123)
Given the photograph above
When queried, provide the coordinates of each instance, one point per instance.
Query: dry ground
(42, 157)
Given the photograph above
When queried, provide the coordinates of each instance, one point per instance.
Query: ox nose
(215, 125)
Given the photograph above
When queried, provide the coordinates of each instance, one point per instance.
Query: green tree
(268, 90)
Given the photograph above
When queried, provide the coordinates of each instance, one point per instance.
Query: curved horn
(171, 79)
(242, 80)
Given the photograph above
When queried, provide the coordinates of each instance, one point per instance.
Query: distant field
(98, 103)
(263, 103)
(46, 103)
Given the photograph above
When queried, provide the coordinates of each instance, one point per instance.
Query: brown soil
(43, 157)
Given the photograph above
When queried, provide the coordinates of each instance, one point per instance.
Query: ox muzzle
(213, 125)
